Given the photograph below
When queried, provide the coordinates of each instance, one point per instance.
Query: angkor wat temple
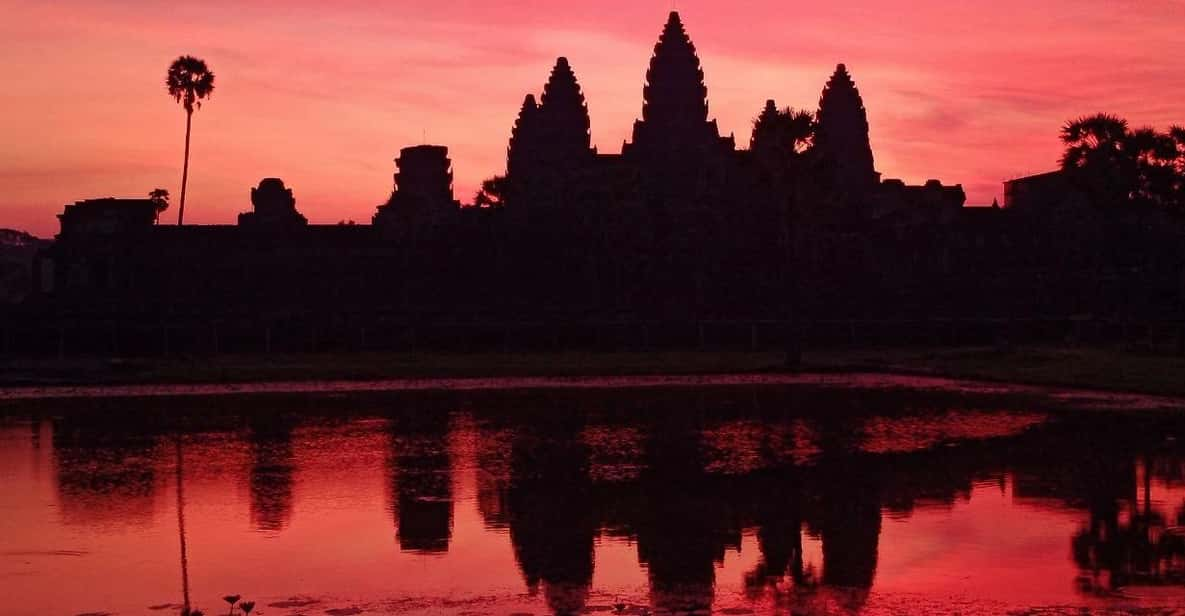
(681, 227)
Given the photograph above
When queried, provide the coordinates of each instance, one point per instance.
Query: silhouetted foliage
(493, 193)
(189, 82)
(1116, 165)
(160, 197)
(782, 134)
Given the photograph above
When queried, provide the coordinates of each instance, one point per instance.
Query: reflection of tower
(851, 527)
(493, 475)
(778, 515)
(686, 522)
(421, 469)
(850, 511)
(552, 523)
(272, 466)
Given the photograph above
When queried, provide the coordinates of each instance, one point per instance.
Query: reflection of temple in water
(108, 471)
(686, 481)
(272, 467)
(685, 520)
(552, 517)
(421, 480)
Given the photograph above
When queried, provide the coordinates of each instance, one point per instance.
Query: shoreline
(862, 381)
(1098, 371)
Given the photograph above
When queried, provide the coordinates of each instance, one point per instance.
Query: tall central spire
(842, 135)
(675, 106)
(675, 90)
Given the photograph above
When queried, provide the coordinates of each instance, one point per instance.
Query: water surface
(739, 499)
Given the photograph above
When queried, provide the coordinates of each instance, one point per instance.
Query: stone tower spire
(842, 135)
(765, 126)
(563, 118)
(524, 140)
(675, 106)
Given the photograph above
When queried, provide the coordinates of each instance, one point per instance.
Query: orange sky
(324, 94)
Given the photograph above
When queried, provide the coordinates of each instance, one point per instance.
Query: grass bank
(1089, 368)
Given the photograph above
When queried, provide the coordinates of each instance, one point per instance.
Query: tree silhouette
(493, 193)
(160, 197)
(1116, 165)
(783, 147)
(189, 81)
(782, 134)
(1177, 134)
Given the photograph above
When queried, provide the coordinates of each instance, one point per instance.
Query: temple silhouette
(681, 238)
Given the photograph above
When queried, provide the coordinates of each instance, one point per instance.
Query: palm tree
(782, 135)
(160, 197)
(1097, 157)
(1177, 134)
(1118, 165)
(189, 82)
(493, 192)
(782, 145)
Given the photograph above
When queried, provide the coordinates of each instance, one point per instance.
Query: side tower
(523, 155)
(423, 189)
(550, 149)
(272, 207)
(564, 125)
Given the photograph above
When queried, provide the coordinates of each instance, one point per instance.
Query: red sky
(324, 94)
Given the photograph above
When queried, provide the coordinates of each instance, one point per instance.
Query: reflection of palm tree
(189, 81)
(181, 526)
(1139, 550)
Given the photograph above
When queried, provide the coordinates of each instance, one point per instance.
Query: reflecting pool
(733, 500)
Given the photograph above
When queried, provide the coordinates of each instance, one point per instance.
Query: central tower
(675, 99)
(842, 139)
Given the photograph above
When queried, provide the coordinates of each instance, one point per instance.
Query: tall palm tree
(189, 82)
(783, 144)
(160, 197)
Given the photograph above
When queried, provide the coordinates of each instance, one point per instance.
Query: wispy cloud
(324, 94)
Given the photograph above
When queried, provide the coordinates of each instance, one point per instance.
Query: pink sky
(324, 94)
